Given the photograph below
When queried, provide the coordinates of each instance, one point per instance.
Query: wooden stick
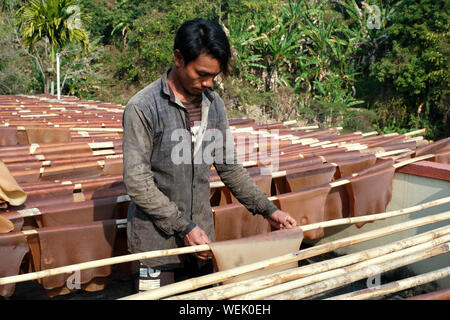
(367, 272)
(305, 128)
(342, 271)
(376, 216)
(412, 133)
(391, 153)
(220, 276)
(403, 155)
(371, 133)
(395, 286)
(390, 134)
(242, 287)
(409, 161)
(100, 263)
(289, 122)
(97, 129)
(419, 138)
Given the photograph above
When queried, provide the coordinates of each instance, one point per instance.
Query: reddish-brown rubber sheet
(8, 136)
(438, 146)
(82, 212)
(442, 157)
(235, 253)
(72, 244)
(306, 207)
(234, 221)
(223, 195)
(297, 179)
(347, 167)
(370, 192)
(13, 247)
(337, 205)
(48, 135)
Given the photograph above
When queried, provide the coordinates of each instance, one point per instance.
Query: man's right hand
(197, 237)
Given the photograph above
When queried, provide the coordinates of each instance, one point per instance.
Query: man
(169, 189)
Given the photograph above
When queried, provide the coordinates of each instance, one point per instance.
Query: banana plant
(242, 36)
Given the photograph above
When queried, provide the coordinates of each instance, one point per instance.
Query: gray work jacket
(166, 174)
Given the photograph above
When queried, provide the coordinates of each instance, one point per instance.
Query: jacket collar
(165, 88)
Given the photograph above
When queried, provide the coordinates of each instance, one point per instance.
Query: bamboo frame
(200, 248)
(220, 276)
(292, 286)
(395, 286)
(239, 290)
(366, 272)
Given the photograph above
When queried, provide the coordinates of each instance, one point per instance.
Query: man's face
(197, 75)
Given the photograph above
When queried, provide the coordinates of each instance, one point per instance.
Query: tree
(46, 27)
(412, 68)
(17, 72)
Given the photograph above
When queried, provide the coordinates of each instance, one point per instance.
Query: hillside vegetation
(378, 65)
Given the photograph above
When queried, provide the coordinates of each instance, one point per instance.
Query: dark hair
(198, 36)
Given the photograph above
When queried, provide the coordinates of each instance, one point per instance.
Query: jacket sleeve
(138, 175)
(234, 175)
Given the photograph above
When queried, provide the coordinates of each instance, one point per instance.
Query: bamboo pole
(199, 248)
(243, 287)
(289, 122)
(409, 161)
(367, 272)
(90, 129)
(403, 155)
(376, 216)
(220, 276)
(391, 153)
(342, 271)
(415, 132)
(395, 286)
(100, 263)
(371, 133)
(304, 128)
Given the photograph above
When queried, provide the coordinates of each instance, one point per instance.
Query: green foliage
(413, 66)
(359, 119)
(17, 72)
(81, 73)
(99, 22)
(361, 65)
(146, 45)
(296, 45)
(10, 5)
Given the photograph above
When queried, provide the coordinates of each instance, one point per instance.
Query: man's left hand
(281, 220)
